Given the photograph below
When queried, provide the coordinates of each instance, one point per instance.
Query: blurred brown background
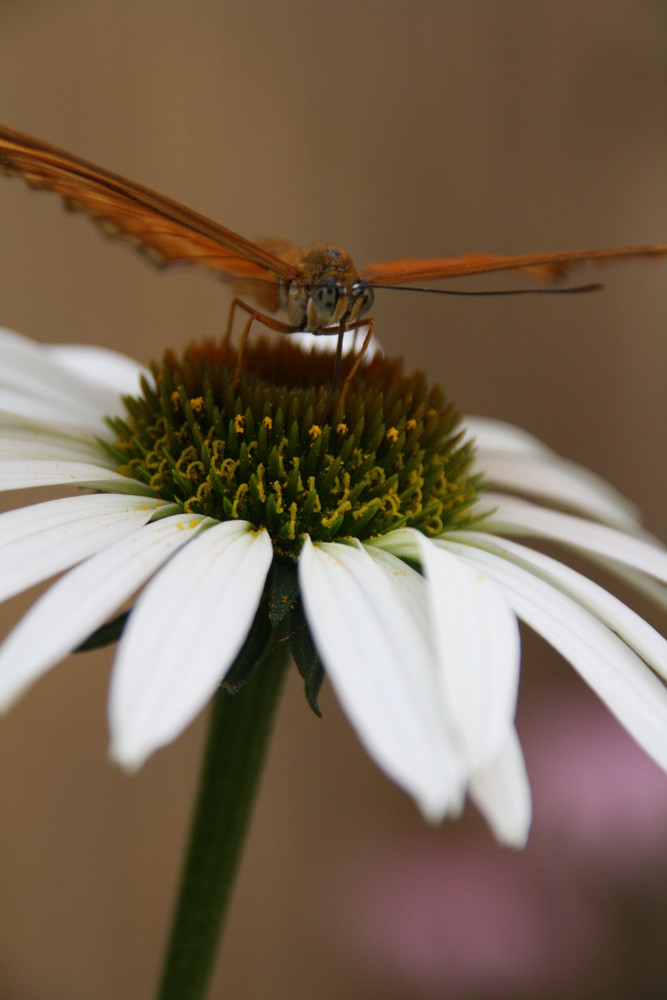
(392, 129)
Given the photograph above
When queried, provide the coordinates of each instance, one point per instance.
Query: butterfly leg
(235, 304)
(253, 314)
(342, 330)
(357, 361)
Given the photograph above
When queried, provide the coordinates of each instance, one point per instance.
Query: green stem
(238, 735)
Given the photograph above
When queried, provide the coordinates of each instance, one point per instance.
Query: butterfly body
(325, 296)
(327, 290)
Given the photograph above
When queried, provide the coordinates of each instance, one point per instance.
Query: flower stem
(238, 735)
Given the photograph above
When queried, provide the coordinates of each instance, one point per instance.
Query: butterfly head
(328, 292)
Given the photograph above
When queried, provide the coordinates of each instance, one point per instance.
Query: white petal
(16, 430)
(403, 543)
(516, 460)
(84, 599)
(519, 517)
(327, 343)
(629, 689)
(496, 436)
(652, 589)
(502, 794)
(27, 367)
(22, 442)
(38, 541)
(66, 414)
(637, 633)
(368, 618)
(17, 474)
(477, 638)
(38, 427)
(551, 478)
(115, 371)
(183, 635)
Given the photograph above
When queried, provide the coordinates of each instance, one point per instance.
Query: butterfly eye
(363, 294)
(325, 297)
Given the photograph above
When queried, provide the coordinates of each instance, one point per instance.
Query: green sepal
(282, 589)
(110, 632)
(305, 656)
(286, 613)
(258, 644)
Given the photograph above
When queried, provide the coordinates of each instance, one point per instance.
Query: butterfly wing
(544, 265)
(166, 231)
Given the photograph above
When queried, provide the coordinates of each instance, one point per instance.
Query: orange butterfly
(319, 288)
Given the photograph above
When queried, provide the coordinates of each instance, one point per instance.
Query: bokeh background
(393, 129)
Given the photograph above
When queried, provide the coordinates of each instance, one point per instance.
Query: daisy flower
(380, 543)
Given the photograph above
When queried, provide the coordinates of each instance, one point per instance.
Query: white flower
(425, 664)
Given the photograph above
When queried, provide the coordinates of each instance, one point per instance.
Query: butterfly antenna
(494, 292)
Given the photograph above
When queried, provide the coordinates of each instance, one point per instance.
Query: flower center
(389, 455)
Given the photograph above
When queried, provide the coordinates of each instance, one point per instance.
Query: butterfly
(319, 289)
